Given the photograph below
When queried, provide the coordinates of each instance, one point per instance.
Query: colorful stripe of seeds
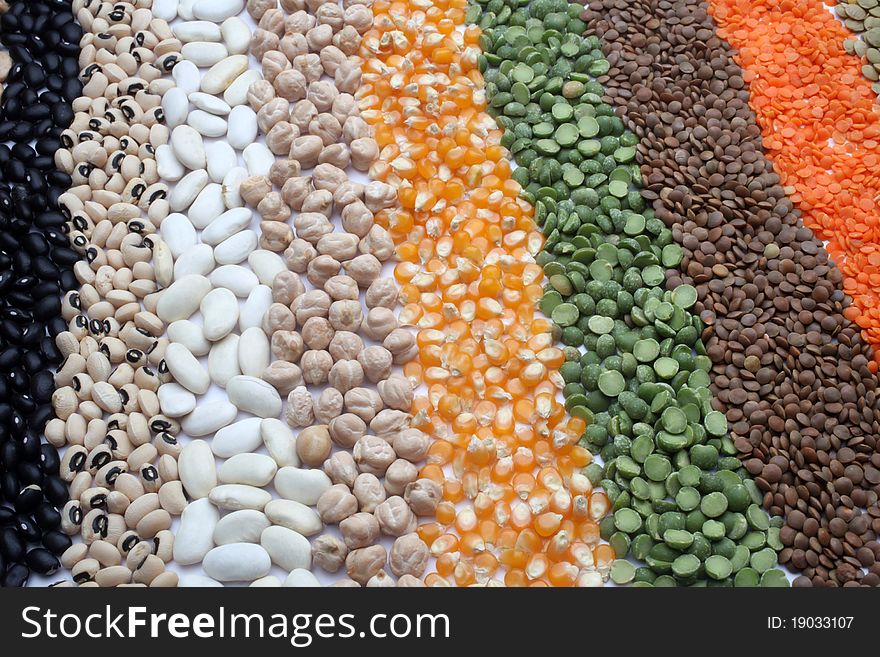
(683, 504)
(821, 128)
(766, 288)
(469, 284)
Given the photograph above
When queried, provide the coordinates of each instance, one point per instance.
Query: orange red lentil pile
(821, 127)
(504, 452)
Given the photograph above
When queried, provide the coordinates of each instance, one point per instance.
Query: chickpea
(409, 556)
(322, 269)
(359, 530)
(378, 323)
(423, 496)
(379, 195)
(263, 41)
(411, 444)
(381, 580)
(364, 151)
(347, 40)
(306, 149)
(287, 345)
(253, 189)
(298, 255)
(302, 115)
(336, 503)
(341, 246)
(382, 293)
(261, 91)
(355, 128)
(300, 408)
(377, 243)
(273, 21)
(293, 45)
(309, 65)
(373, 455)
(347, 429)
(345, 345)
(299, 21)
(319, 200)
(347, 315)
(272, 207)
(315, 366)
(363, 402)
(275, 236)
(317, 332)
(274, 111)
(331, 56)
(369, 491)
(282, 171)
(347, 193)
(322, 93)
(397, 393)
(376, 362)
(280, 139)
(395, 517)
(363, 563)
(347, 374)
(328, 405)
(286, 287)
(326, 126)
(313, 445)
(389, 421)
(329, 552)
(341, 468)
(399, 474)
(274, 63)
(290, 83)
(283, 376)
(365, 269)
(402, 345)
(314, 303)
(342, 288)
(408, 581)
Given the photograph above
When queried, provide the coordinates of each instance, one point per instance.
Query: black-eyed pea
(347, 40)
(272, 207)
(341, 468)
(306, 149)
(314, 303)
(363, 402)
(283, 376)
(348, 76)
(376, 362)
(363, 563)
(149, 570)
(167, 467)
(409, 556)
(146, 453)
(127, 541)
(71, 517)
(378, 323)
(379, 195)
(262, 42)
(108, 473)
(397, 393)
(140, 507)
(85, 570)
(129, 485)
(316, 364)
(395, 517)
(253, 189)
(166, 443)
(365, 269)
(117, 502)
(74, 554)
(275, 236)
(322, 269)
(336, 503)
(286, 287)
(378, 243)
(329, 553)
(300, 408)
(172, 498)
(398, 475)
(95, 525)
(107, 554)
(390, 421)
(347, 429)
(65, 402)
(113, 576)
(154, 522)
(73, 462)
(281, 136)
(164, 545)
(312, 226)
(279, 317)
(364, 152)
(313, 445)
(373, 455)
(274, 64)
(345, 345)
(149, 476)
(423, 496)
(402, 345)
(167, 580)
(283, 170)
(341, 288)
(328, 405)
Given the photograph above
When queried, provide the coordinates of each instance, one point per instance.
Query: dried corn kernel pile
(505, 455)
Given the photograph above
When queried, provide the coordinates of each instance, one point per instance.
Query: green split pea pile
(684, 508)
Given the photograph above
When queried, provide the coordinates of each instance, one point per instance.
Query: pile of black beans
(36, 262)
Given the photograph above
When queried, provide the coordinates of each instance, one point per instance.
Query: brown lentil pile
(121, 457)
(789, 371)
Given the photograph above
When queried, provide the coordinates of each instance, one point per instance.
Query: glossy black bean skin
(36, 263)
